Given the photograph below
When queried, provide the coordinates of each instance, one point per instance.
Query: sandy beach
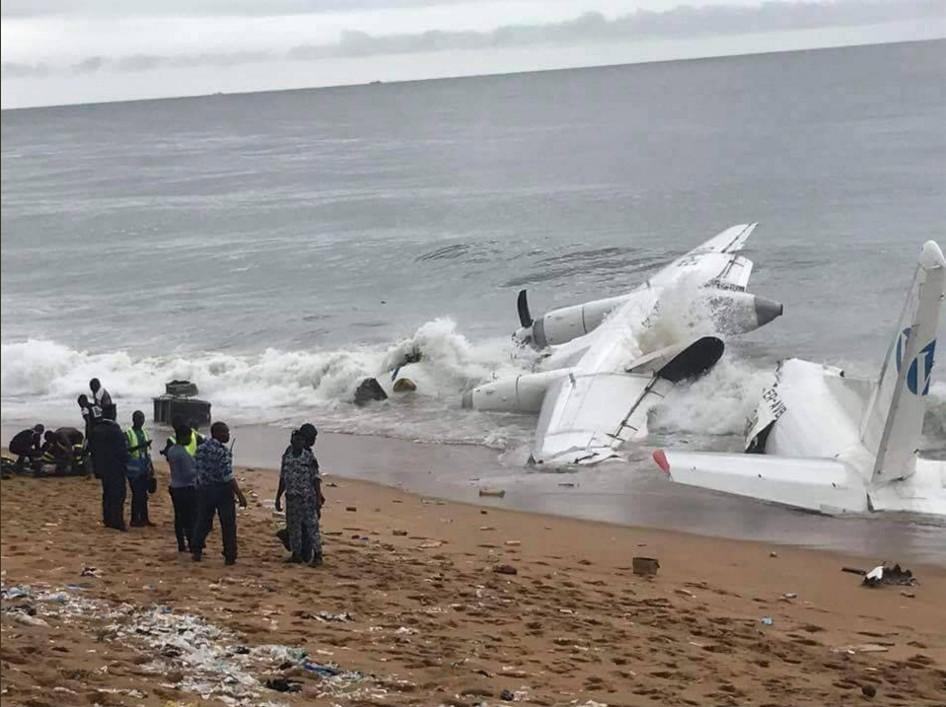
(423, 601)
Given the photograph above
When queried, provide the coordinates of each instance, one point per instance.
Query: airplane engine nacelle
(562, 325)
(738, 312)
(520, 394)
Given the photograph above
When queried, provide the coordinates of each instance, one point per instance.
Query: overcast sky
(74, 51)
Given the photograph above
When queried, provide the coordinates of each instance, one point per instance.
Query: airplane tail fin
(893, 421)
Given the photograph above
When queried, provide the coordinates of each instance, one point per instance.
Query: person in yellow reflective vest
(139, 470)
(190, 445)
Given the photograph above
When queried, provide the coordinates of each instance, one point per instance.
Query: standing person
(216, 489)
(299, 479)
(27, 445)
(193, 439)
(101, 399)
(89, 418)
(110, 458)
(183, 488)
(140, 472)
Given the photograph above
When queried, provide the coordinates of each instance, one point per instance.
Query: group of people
(202, 483)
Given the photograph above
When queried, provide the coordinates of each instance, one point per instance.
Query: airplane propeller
(522, 304)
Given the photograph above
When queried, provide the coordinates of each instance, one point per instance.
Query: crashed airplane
(836, 444)
(596, 385)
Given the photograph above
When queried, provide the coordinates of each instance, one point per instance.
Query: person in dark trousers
(299, 479)
(183, 488)
(101, 399)
(110, 458)
(216, 489)
(27, 445)
(89, 416)
(140, 472)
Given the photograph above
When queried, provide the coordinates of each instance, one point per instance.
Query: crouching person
(217, 489)
(299, 479)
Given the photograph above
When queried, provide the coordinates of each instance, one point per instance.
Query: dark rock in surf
(369, 390)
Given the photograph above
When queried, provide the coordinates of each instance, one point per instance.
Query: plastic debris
(768, 620)
(495, 493)
(325, 671)
(16, 592)
(328, 616)
(505, 569)
(90, 572)
(861, 648)
(281, 684)
(507, 695)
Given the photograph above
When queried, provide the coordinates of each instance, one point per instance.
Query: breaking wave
(43, 378)
(40, 381)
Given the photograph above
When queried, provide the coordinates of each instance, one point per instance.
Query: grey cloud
(12, 69)
(682, 21)
(197, 8)
(89, 65)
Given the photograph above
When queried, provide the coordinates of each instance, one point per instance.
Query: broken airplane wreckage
(834, 443)
(596, 385)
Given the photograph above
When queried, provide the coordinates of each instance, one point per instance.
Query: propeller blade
(522, 304)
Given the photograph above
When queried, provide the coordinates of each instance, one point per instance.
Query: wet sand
(412, 611)
(633, 493)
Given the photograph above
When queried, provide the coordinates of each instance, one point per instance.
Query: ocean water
(276, 248)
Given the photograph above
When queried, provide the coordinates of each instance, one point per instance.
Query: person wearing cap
(27, 445)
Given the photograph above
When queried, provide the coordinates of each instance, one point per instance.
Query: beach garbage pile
(192, 654)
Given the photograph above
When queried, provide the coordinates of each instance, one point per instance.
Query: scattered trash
(328, 616)
(767, 620)
(281, 684)
(861, 648)
(773, 554)
(487, 527)
(16, 592)
(908, 595)
(513, 543)
(789, 595)
(507, 696)
(645, 566)
(325, 671)
(567, 484)
(351, 509)
(27, 619)
(90, 572)
(685, 592)
(884, 574)
(505, 569)
(496, 493)
(399, 532)
(430, 544)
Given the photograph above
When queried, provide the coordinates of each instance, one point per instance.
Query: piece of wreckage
(595, 387)
(371, 389)
(837, 444)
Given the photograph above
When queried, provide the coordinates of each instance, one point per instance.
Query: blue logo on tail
(920, 372)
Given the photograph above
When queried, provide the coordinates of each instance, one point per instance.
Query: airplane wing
(713, 262)
(586, 417)
(823, 485)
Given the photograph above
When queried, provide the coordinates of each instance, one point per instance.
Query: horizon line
(460, 77)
